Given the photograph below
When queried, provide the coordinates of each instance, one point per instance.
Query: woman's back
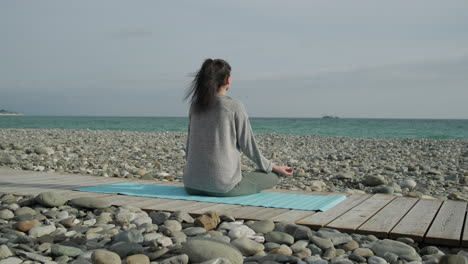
(219, 129)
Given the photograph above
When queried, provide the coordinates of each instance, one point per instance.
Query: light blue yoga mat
(263, 199)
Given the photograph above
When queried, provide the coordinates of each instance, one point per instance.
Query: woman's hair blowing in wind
(211, 76)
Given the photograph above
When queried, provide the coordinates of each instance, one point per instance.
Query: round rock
(204, 249)
(51, 199)
(101, 256)
(89, 202)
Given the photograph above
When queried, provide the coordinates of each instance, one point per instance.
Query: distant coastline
(9, 113)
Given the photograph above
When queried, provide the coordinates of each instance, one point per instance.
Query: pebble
(279, 237)
(89, 202)
(247, 246)
(105, 257)
(240, 231)
(205, 249)
(408, 183)
(262, 226)
(50, 199)
(137, 259)
(376, 260)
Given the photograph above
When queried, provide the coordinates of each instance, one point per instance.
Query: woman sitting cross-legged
(219, 129)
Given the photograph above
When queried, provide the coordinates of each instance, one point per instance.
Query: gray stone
(315, 249)
(158, 253)
(131, 236)
(390, 257)
(59, 250)
(8, 160)
(323, 243)
(50, 199)
(193, 231)
(298, 231)
(25, 211)
(401, 249)
(159, 217)
(80, 261)
(279, 237)
(6, 214)
(218, 261)
(337, 238)
(341, 261)
(270, 246)
(408, 183)
(453, 259)
(363, 252)
(345, 175)
(376, 260)
(238, 231)
(247, 246)
(182, 216)
(300, 244)
(42, 150)
(124, 249)
(11, 261)
(374, 180)
(429, 250)
(142, 220)
(180, 259)
(34, 256)
(330, 253)
(357, 258)
(89, 202)
(137, 259)
(172, 225)
(262, 226)
(41, 231)
(204, 249)
(384, 189)
(101, 256)
(5, 252)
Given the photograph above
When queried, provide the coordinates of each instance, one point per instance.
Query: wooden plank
(167, 205)
(448, 225)
(222, 208)
(351, 220)
(120, 200)
(464, 242)
(417, 221)
(265, 213)
(382, 222)
(320, 219)
(243, 210)
(196, 206)
(292, 216)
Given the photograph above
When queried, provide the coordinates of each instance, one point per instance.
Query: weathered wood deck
(429, 221)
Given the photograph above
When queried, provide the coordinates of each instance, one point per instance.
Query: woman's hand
(283, 170)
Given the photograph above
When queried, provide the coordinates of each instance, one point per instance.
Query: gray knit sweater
(215, 139)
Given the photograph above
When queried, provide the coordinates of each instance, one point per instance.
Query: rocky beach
(50, 228)
(434, 169)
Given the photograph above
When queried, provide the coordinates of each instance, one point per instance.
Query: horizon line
(265, 117)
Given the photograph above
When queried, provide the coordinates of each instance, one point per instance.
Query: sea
(342, 127)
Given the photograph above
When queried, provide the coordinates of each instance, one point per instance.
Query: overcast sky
(390, 59)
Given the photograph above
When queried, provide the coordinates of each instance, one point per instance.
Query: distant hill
(6, 112)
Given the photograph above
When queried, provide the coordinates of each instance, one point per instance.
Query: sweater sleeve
(246, 141)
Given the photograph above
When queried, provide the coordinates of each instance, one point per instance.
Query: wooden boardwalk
(429, 221)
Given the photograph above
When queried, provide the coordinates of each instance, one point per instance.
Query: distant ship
(329, 117)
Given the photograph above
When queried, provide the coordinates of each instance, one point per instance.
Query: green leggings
(252, 182)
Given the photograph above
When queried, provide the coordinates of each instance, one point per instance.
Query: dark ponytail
(211, 76)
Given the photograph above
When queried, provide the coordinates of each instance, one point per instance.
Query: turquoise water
(368, 128)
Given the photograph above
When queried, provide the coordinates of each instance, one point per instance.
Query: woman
(218, 129)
